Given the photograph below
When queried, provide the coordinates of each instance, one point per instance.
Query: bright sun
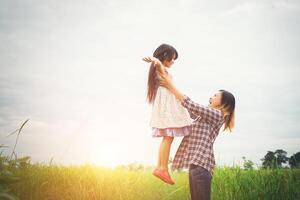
(106, 155)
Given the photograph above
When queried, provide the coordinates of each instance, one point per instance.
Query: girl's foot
(163, 175)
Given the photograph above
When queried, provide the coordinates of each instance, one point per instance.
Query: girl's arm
(157, 64)
(210, 114)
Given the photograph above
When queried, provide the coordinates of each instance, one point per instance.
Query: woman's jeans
(200, 183)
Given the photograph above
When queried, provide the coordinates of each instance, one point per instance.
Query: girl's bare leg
(164, 152)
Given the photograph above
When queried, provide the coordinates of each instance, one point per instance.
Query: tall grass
(19, 179)
(236, 183)
(8, 164)
(91, 182)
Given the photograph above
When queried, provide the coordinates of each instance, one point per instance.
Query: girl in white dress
(169, 118)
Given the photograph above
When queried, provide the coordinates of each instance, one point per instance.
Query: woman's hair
(163, 52)
(227, 106)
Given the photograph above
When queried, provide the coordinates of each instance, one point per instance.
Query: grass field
(52, 182)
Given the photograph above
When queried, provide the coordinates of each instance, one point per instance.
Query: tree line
(276, 159)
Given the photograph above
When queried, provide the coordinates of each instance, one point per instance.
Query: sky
(75, 70)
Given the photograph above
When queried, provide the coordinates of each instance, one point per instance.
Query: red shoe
(163, 175)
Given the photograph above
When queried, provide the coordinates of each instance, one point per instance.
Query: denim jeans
(200, 183)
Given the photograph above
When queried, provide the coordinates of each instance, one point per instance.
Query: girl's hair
(228, 106)
(163, 52)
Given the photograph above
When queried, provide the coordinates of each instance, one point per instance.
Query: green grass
(39, 182)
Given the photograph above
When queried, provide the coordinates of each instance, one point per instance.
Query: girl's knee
(168, 139)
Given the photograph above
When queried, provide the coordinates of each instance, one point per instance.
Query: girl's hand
(156, 62)
(151, 59)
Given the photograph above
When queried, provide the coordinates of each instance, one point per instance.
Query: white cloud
(75, 70)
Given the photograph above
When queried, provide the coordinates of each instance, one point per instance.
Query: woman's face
(215, 100)
(169, 63)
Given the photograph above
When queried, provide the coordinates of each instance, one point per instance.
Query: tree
(248, 164)
(294, 160)
(281, 157)
(274, 159)
(269, 160)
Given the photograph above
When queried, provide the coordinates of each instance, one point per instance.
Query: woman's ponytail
(229, 122)
(228, 107)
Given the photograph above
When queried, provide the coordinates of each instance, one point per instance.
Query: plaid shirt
(197, 147)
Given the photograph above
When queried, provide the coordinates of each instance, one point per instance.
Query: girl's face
(215, 100)
(169, 63)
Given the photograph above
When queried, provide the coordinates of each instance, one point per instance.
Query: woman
(196, 150)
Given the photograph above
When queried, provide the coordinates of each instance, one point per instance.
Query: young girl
(169, 118)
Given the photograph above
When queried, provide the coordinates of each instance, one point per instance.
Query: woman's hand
(165, 81)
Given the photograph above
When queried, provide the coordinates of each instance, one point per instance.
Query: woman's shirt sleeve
(192, 115)
(210, 114)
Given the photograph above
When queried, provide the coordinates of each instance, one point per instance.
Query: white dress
(169, 114)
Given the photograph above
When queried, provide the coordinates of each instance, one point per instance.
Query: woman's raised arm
(210, 114)
(166, 82)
